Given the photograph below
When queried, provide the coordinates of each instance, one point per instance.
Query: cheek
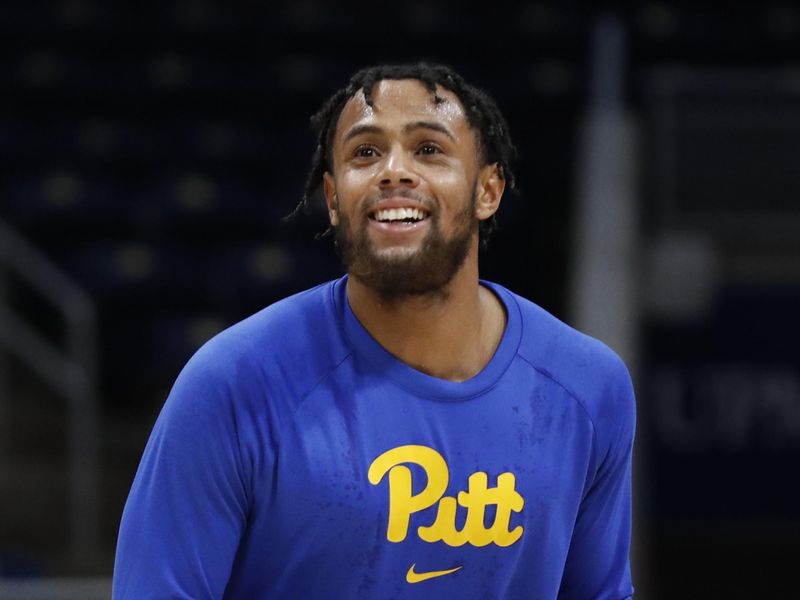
(351, 185)
(453, 191)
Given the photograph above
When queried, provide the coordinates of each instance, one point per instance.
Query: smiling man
(406, 431)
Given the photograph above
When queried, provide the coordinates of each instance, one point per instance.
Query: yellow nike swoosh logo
(412, 577)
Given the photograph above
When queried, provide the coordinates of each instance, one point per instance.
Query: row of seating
(303, 17)
(63, 195)
(659, 20)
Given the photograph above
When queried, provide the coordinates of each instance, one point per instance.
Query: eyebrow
(429, 125)
(408, 128)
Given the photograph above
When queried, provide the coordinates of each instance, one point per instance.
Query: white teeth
(400, 214)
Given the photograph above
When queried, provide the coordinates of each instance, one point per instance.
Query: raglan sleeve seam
(578, 401)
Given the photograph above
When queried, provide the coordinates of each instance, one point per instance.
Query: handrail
(604, 288)
(72, 373)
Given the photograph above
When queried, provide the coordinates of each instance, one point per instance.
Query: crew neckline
(419, 383)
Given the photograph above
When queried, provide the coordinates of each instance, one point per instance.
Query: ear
(489, 190)
(331, 200)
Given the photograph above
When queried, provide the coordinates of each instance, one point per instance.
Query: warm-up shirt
(296, 458)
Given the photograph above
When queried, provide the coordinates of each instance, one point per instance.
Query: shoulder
(578, 361)
(591, 372)
(291, 343)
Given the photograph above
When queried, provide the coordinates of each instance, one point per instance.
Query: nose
(398, 170)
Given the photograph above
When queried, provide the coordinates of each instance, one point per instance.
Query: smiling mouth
(400, 215)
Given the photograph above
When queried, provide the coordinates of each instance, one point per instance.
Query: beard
(424, 271)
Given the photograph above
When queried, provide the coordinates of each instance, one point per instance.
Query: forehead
(400, 101)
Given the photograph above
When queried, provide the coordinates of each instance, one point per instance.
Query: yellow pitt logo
(402, 503)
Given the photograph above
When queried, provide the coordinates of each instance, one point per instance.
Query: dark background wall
(151, 152)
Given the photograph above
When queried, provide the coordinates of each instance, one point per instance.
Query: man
(407, 431)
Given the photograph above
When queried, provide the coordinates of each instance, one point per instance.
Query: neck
(451, 334)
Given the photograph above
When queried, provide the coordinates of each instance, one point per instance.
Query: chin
(414, 269)
(397, 253)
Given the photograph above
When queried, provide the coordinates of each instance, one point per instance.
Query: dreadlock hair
(483, 116)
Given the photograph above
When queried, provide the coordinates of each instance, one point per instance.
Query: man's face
(403, 188)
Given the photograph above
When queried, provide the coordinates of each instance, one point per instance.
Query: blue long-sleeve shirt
(297, 458)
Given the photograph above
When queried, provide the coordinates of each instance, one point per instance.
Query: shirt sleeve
(188, 505)
(598, 565)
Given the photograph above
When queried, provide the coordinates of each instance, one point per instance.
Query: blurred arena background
(149, 151)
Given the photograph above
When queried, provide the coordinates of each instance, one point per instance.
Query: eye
(429, 149)
(365, 151)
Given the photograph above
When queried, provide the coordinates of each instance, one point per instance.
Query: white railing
(604, 288)
(70, 372)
